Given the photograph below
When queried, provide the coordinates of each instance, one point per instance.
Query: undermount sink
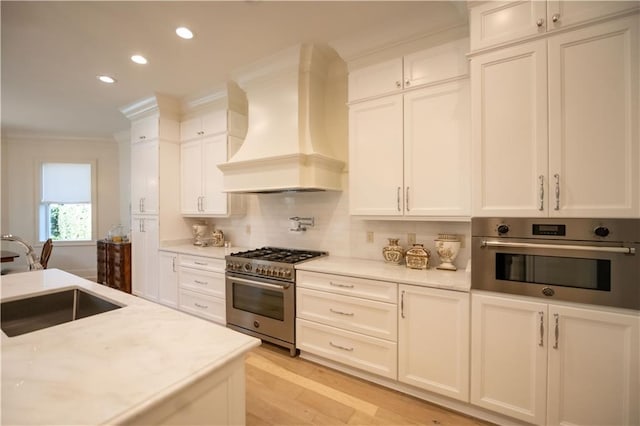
(37, 312)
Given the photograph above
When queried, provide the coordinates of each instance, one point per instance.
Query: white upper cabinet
(499, 22)
(409, 153)
(593, 121)
(206, 142)
(440, 63)
(145, 129)
(509, 125)
(144, 177)
(555, 122)
(375, 157)
(203, 125)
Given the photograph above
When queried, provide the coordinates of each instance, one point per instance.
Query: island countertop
(109, 367)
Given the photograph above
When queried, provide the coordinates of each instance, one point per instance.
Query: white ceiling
(52, 51)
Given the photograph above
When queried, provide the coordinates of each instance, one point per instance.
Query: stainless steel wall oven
(260, 293)
(595, 261)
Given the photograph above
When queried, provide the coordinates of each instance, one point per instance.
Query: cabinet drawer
(376, 319)
(207, 282)
(204, 263)
(372, 355)
(207, 307)
(350, 286)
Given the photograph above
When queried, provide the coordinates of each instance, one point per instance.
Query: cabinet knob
(540, 22)
(407, 83)
(398, 84)
(555, 17)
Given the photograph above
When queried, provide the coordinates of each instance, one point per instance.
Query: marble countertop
(190, 249)
(107, 367)
(459, 280)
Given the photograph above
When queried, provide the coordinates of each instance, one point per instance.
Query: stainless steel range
(261, 298)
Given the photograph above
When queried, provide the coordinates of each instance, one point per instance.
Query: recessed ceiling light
(139, 59)
(184, 32)
(106, 79)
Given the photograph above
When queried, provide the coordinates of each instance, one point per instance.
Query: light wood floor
(291, 391)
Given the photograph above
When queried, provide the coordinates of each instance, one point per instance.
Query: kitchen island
(140, 364)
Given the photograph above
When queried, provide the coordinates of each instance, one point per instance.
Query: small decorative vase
(217, 238)
(417, 257)
(447, 247)
(393, 253)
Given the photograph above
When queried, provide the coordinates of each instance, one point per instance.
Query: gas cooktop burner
(269, 262)
(281, 255)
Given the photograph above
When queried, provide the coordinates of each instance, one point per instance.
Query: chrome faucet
(34, 264)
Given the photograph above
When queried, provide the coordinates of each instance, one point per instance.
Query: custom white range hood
(286, 148)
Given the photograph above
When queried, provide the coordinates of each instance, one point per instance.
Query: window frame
(42, 212)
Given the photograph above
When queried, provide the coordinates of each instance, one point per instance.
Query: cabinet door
(191, 177)
(509, 127)
(433, 340)
(438, 63)
(563, 13)
(144, 177)
(144, 257)
(190, 129)
(593, 121)
(145, 129)
(214, 149)
(375, 157)
(379, 79)
(499, 22)
(437, 150)
(168, 279)
(593, 367)
(509, 357)
(214, 122)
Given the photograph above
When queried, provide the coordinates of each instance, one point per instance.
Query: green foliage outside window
(70, 222)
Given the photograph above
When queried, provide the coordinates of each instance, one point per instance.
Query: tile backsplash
(267, 223)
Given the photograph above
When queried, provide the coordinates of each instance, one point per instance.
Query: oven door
(593, 273)
(261, 306)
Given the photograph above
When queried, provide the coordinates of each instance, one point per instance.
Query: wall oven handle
(262, 284)
(621, 250)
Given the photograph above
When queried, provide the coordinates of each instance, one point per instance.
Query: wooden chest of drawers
(114, 265)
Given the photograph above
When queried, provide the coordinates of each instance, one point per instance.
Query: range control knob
(601, 231)
(503, 229)
(247, 267)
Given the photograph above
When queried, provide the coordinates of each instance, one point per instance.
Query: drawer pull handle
(348, 314)
(201, 306)
(201, 282)
(200, 263)
(340, 285)
(341, 347)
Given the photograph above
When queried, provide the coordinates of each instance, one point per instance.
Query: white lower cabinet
(144, 256)
(433, 340)
(202, 287)
(336, 322)
(554, 364)
(168, 279)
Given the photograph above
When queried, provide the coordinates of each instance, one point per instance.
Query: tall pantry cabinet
(555, 116)
(155, 177)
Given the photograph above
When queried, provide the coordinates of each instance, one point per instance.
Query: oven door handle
(261, 284)
(621, 250)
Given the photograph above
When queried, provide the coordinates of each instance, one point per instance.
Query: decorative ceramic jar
(447, 247)
(417, 257)
(393, 253)
(217, 238)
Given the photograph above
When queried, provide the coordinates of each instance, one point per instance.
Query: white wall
(267, 223)
(20, 159)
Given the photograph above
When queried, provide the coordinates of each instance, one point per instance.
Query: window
(66, 211)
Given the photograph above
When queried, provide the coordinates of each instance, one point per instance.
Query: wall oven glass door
(594, 273)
